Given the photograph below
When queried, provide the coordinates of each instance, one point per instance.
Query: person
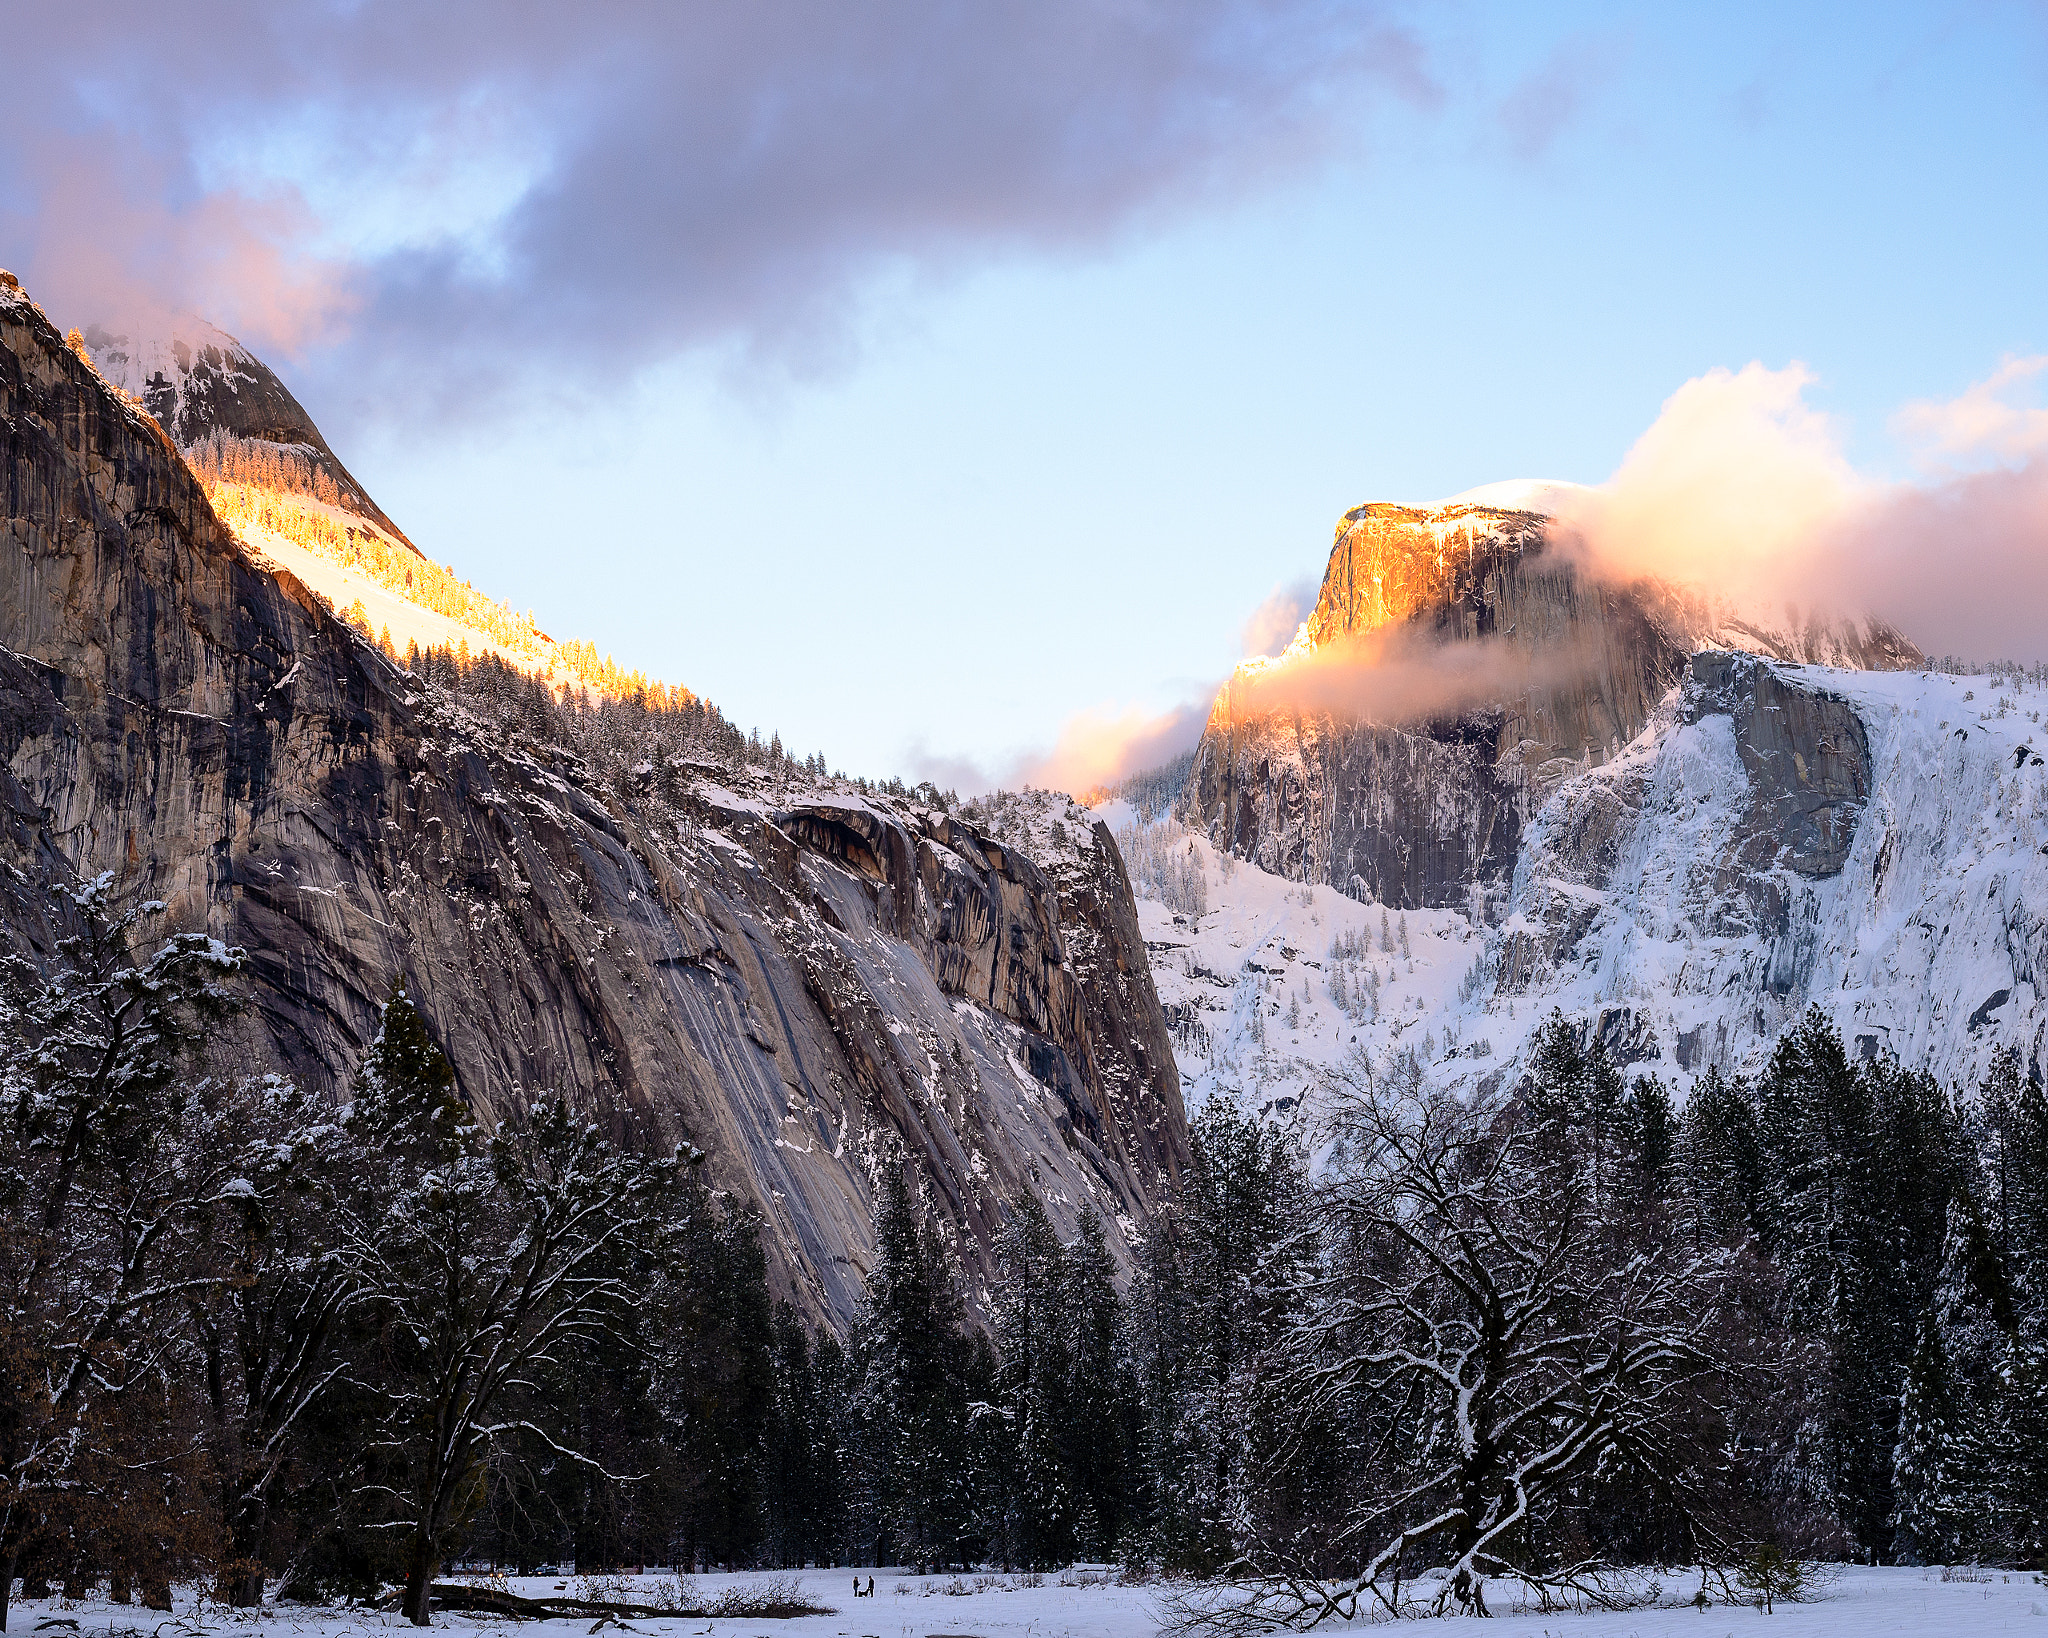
(871, 1586)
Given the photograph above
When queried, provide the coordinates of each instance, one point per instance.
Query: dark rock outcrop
(1807, 757)
(798, 979)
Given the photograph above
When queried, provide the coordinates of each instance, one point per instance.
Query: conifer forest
(1540, 1335)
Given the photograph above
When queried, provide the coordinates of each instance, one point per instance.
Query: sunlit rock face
(1428, 812)
(802, 981)
(200, 384)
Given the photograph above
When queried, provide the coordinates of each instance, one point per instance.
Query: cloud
(656, 178)
(1101, 746)
(1271, 626)
(1735, 479)
(1741, 487)
(1982, 422)
(1399, 676)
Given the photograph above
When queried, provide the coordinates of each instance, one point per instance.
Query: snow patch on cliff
(1630, 914)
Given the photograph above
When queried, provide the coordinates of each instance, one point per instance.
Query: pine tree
(1100, 1398)
(1930, 1507)
(1650, 1138)
(1860, 1177)
(1720, 1156)
(912, 1362)
(1031, 1324)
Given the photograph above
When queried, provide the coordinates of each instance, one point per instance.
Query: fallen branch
(456, 1595)
(773, 1603)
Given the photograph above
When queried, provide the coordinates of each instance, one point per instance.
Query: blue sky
(982, 488)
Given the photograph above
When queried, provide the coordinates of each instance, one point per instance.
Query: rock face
(1779, 837)
(1430, 813)
(200, 383)
(799, 979)
(1784, 837)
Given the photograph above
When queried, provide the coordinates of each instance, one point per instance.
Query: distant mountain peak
(204, 387)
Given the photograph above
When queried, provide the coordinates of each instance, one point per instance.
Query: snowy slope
(1272, 987)
(1927, 943)
(1640, 908)
(133, 361)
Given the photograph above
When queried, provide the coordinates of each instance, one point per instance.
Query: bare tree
(494, 1261)
(265, 1324)
(1485, 1340)
(97, 1195)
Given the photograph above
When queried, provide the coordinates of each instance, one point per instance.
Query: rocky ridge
(802, 980)
(1430, 814)
(199, 383)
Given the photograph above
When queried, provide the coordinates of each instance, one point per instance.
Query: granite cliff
(804, 980)
(1429, 813)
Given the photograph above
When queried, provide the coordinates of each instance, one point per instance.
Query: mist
(1743, 489)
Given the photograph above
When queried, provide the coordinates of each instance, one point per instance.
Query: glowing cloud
(1734, 481)
(1099, 747)
(1740, 487)
(1981, 422)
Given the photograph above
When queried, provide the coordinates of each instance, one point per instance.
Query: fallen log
(458, 1595)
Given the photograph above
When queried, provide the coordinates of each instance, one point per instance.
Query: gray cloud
(672, 176)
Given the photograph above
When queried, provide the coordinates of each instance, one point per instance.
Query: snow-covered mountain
(1685, 901)
(1682, 841)
(203, 387)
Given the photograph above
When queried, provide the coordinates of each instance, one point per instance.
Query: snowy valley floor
(1860, 1602)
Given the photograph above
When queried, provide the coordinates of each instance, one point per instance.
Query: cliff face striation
(1539, 671)
(798, 978)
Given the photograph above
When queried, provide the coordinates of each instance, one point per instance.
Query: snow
(130, 362)
(1264, 942)
(1929, 943)
(1865, 1603)
(407, 621)
(1548, 496)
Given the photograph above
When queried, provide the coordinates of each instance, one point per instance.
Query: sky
(938, 383)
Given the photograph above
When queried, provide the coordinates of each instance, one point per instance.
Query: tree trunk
(119, 1589)
(7, 1559)
(419, 1579)
(240, 1581)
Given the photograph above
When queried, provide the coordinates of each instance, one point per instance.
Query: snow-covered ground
(1929, 943)
(1274, 987)
(1856, 1603)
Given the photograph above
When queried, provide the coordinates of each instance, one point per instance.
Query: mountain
(1682, 840)
(1431, 814)
(614, 900)
(210, 393)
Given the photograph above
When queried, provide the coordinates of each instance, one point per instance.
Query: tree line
(307, 1351)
